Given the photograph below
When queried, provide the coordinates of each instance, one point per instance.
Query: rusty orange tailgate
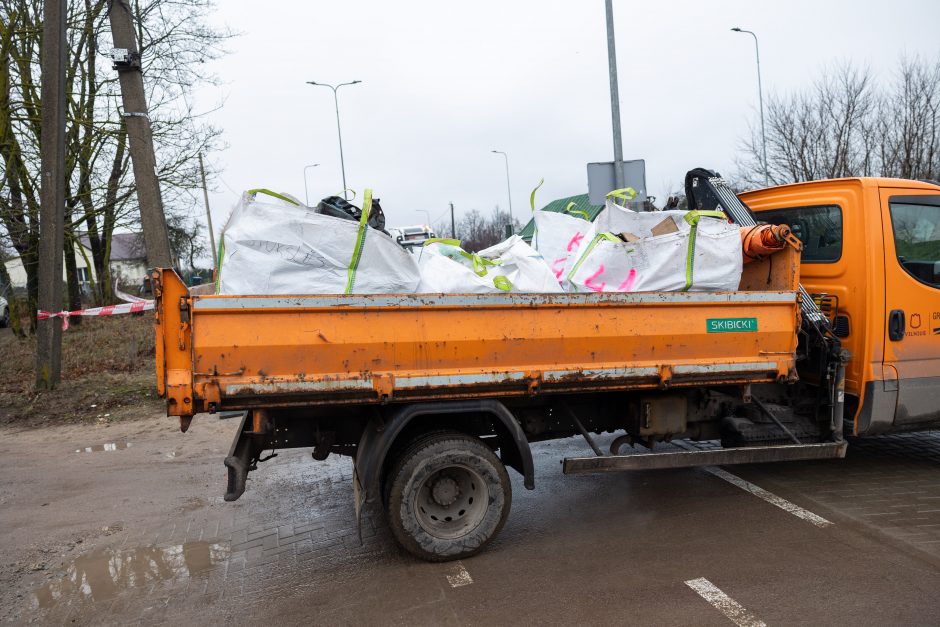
(251, 351)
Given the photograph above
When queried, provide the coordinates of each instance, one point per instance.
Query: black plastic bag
(342, 208)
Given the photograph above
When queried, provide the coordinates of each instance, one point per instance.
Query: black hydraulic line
(584, 433)
(770, 415)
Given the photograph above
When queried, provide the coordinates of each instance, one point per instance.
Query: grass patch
(107, 373)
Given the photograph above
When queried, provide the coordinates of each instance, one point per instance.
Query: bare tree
(909, 123)
(476, 232)
(175, 41)
(846, 124)
(822, 132)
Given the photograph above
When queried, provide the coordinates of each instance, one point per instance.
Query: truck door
(911, 221)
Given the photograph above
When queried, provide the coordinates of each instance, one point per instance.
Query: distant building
(128, 262)
(128, 257)
(85, 271)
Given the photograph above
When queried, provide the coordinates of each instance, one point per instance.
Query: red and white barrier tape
(109, 310)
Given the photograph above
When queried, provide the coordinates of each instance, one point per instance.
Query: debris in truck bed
(273, 244)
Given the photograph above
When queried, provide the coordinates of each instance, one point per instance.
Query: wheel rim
(451, 502)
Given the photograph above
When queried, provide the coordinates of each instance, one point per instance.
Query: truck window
(917, 238)
(819, 228)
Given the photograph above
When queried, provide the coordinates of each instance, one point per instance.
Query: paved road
(662, 548)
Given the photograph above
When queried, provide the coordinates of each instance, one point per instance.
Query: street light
(339, 133)
(508, 188)
(307, 193)
(760, 95)
(427, 215)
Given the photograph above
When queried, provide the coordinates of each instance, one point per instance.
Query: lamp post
(427, 215)
(760, 96)
(306, 192)
(508, 187)
(339, 133)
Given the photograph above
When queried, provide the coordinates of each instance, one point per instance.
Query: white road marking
(736, 613)
(770, 497)
(460, 577)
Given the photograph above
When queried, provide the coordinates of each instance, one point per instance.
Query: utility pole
(453, 226)
(52, 194)
(205, 195)
(126, 58)
(614, 96)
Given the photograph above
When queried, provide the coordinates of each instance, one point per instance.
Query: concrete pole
(140, 137)
(453, 225)
(614, 96)
(52, 194)
(205, 195)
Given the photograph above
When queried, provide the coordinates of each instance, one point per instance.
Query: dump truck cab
(871, 257)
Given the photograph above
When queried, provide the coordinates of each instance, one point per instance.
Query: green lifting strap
(221, 253)
(692, 217)
(442, 240)
(360, 241)
(502, 283)
(626, 194)
(577, 212)
(261, 190)
(610, 237)
(532, 195)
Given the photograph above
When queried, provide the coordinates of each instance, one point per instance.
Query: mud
(137, 536)
(104, 573)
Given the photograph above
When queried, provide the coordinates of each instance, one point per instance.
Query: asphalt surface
(675, 547)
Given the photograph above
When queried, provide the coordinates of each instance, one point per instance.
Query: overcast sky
(444, 83)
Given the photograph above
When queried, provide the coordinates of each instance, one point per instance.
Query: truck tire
(448, 496)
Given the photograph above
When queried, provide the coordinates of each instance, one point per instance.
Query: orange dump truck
(434, 395)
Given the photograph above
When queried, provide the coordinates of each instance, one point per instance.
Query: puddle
(109, 446)
(104, 573)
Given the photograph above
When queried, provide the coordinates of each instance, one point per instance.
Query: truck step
(714, 457)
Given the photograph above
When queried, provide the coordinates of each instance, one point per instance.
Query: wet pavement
(673, 547)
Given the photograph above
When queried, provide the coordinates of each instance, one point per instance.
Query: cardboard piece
(665, 227)
(628, 237)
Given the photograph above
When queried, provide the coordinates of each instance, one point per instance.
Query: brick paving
(891, 484)
(295, 530)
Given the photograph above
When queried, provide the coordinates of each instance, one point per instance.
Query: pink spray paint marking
(627, 284)
(589, 282)
(575, 241)
(559, 271)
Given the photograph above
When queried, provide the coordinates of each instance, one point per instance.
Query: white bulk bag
(558, 237)
(525, 268)
(510, 266)
(703, 253)
(272, 244)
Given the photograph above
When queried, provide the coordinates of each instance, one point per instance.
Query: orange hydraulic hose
(762, 240)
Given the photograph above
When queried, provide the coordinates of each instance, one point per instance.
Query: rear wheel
(5, 318)
(448, 496)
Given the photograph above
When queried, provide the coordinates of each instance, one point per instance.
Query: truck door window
(819, 227)
(916, 227)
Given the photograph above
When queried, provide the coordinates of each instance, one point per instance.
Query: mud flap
(242, 454)
(360, 498)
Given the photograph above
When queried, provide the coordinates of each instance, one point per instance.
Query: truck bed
(240, 352)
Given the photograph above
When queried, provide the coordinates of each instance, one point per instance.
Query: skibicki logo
(731, 325)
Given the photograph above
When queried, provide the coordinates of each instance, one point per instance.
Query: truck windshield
(818, 227)
(917, 238)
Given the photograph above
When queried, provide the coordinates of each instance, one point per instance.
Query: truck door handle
(896, 325)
